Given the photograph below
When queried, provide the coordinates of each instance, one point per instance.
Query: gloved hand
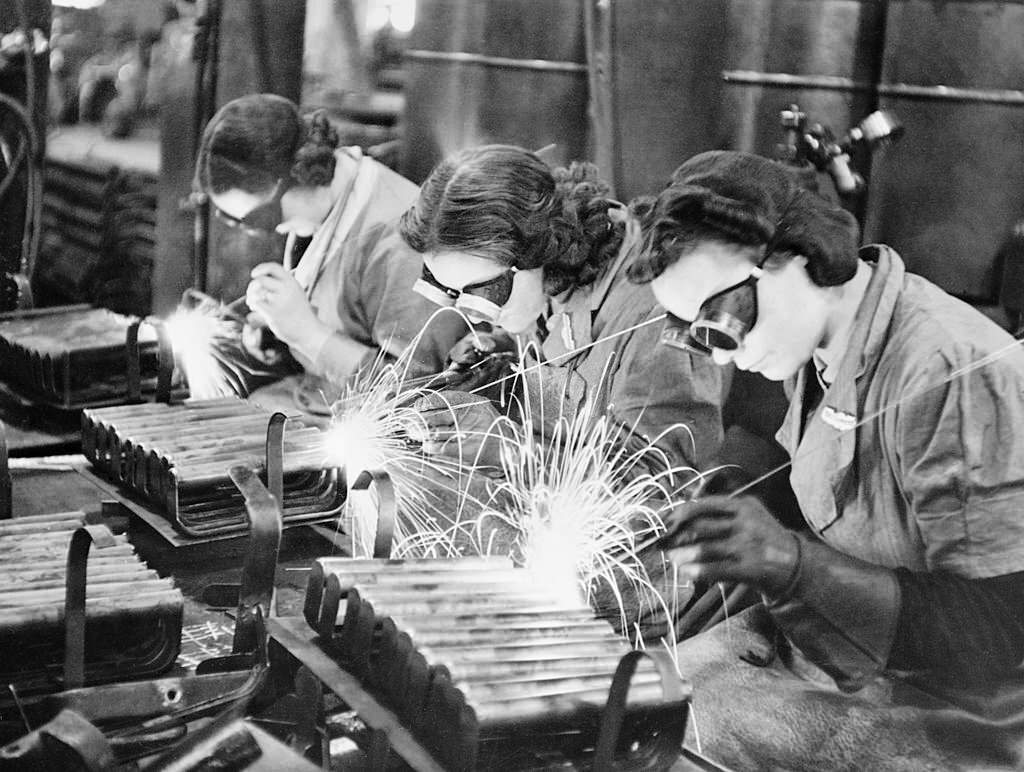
(282, 304)
(481, 358)
(464, 427)
(733, 539)
(260, 342)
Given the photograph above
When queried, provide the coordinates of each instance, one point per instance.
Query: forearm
(969, 628)
(331, 354)
(841, 612)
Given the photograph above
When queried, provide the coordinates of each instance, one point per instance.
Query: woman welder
(510, 241)
(900, 607)
(349, 300)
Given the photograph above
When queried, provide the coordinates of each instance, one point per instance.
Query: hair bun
(314, 161)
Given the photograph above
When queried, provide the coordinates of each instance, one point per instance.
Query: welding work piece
(176, 457)
(468, 650)
(71, 357)
(130, 618)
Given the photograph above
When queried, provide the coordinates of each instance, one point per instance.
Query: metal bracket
(68, 741)
(6, 488)
(387, 508)
(74, 599)
(666, 747)
(255, 595)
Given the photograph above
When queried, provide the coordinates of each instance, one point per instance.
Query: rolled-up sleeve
(962, 463)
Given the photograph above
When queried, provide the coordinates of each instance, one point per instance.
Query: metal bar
(6, 490)
(1011, 97)
(787, 80)
(462, 57)
(74, 603)
(256, 593)
(290, 633)
(387, 509)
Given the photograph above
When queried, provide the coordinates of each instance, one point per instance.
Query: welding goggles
(480, 302)
(722, 322)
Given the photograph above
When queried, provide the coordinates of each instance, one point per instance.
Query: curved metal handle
(165, 366)
(256, 592)
(74, 599)
(133, 365)
(275, 457)
(387, 508)
(668, 745)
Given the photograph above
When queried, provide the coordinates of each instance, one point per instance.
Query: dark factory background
(636, 86)
(908, 113)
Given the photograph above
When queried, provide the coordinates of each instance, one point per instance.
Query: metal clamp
(74, 599)
(666, 747)
(387, 508)
(256, 592)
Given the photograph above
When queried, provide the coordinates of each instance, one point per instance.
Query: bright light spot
(196, 335)
(401, 14)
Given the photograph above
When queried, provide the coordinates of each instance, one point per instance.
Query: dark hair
(744, 199)
(504, 203)
(255, 141)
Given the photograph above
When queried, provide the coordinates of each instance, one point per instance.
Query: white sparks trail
(577, 499)
(201, 337)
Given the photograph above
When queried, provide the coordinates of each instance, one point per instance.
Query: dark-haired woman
(891, 634)
(512, 241)
(349, 300)
(542, 253)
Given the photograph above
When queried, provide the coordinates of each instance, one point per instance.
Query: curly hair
(743, 199)
(255, 141)
(504, 203)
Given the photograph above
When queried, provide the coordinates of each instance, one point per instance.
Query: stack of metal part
(99, 225)
(177, 457)
(71, 356)
(473, 651)
(133, 618)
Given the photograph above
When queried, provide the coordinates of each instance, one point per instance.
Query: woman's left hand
(734, 539)
(281, 301)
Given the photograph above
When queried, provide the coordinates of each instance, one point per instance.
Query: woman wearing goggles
(905, 582)
(542, 253)
(264, 166)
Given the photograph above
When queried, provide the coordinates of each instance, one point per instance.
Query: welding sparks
(375, 426)
(198, 335)
(581, 500)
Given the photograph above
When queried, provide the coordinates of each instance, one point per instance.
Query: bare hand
(734, 539)
(278, 298)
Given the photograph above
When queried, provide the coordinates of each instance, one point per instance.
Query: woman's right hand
(464, 427)
(482, 358)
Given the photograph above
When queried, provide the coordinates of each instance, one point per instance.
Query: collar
(354, 195)
(861, 351)
(827, 358)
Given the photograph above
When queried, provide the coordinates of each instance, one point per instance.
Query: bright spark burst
(581, 500)
(198, 336)
(375, 426)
